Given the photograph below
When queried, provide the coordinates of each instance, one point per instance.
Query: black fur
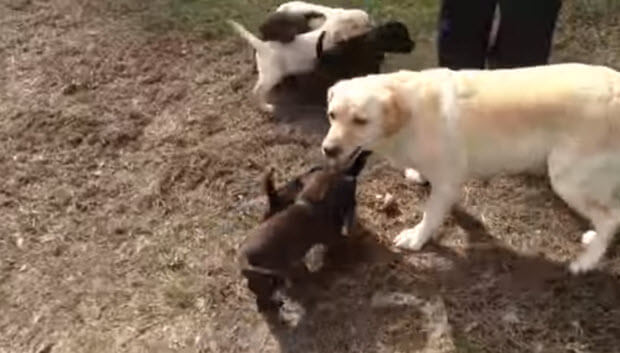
(358, 56)
(364, 54)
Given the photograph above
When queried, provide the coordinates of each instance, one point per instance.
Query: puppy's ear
(313, 15)
(289, 34)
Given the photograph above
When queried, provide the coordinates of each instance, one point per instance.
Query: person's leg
(525, 33)
(464, 27)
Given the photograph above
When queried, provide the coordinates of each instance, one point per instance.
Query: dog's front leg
(261, 91)
(265, 83)
(442, 197)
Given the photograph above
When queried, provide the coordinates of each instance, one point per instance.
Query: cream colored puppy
(276, 60)
(453, 125)
(302, 7)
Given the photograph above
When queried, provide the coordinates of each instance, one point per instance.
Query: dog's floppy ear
(312, 15)
(330, 94)
(395, 111)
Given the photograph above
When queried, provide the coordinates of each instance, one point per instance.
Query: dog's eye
(359, 121)
(332, 116)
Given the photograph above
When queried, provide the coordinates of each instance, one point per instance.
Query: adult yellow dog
(453, 125)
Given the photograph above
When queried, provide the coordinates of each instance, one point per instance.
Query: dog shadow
(301, 100)
(368, 298)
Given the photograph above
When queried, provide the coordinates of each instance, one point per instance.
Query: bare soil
(130, 165)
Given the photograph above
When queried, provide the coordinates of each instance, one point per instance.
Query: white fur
(302, 8)
(275, 60)
(588, 237)
(455, 125)
(414, 176)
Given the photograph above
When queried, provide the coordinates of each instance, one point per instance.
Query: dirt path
(130, 164)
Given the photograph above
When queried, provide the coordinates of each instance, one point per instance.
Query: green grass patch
(464, 345)
(587, 31)
(207, 17)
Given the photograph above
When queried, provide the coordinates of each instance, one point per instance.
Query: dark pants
(523, 38)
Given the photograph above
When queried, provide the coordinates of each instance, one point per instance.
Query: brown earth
(130, 165)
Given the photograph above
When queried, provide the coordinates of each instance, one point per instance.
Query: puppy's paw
(414, 176)
(582, 264)
(267, 108)
(411, 239)
(587, 237)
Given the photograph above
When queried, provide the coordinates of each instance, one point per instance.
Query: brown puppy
(312, 209)
(284, 26)
(279, 199)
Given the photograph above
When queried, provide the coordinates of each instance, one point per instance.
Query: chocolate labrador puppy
(317, 207)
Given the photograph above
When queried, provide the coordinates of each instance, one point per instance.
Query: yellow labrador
(453, 125)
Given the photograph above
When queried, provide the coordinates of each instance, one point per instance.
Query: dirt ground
(130, 166)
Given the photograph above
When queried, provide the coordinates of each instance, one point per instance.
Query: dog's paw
(582, 264)
(587, 237)
(414, 176)
(267, 108)
(411, 239)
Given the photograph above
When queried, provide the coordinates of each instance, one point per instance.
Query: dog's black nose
(331, 151)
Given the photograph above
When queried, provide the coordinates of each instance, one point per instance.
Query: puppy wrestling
(284, 26)
(561, 119)
(296, 17)
(275, 59)
(364, 54)
(317, 207)
(305, 8)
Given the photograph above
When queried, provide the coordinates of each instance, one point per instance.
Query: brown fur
(321, 208)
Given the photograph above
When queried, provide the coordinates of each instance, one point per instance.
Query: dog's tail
(247, 35)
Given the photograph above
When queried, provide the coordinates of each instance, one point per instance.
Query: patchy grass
(131, 156)
(463, 345)
(205, 17)
(588, 30)
(208, 16)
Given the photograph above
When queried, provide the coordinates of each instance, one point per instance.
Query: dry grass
(130, 156)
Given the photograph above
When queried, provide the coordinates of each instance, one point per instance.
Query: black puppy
(315, 208)
(364, 54)
(358, 56)
(284, 26)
